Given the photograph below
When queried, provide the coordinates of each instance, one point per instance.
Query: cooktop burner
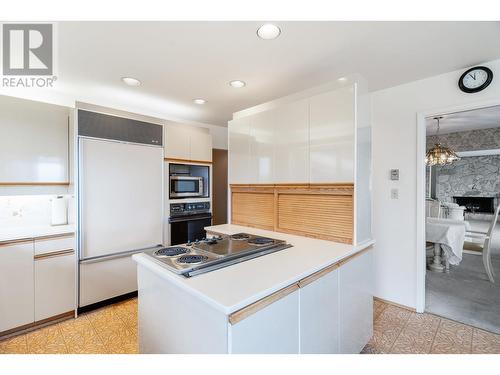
(192, 259)
(240, 236)
(260, 241)
(171, 251)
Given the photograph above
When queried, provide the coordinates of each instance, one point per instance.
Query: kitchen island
(314, 297)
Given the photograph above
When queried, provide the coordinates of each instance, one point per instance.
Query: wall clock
(475, 79)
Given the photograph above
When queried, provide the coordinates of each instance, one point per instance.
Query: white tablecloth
(450, 234)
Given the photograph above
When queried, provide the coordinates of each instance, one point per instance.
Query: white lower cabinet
(54, 285)
(319, 315)
(329, 312)
(356, 303)
(272, 330)
(16, 285)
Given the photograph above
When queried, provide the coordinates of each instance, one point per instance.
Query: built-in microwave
(186, 186)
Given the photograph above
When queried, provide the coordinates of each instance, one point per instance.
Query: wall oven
(186, 186)
(188, 221)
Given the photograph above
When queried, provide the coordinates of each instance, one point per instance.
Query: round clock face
(475, 79)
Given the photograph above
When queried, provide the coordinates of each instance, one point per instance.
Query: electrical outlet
(394, 193)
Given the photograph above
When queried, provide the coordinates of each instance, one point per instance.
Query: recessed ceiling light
(131, 81)
(342, 79)
(199, 101)
(237, 83)
(268, 31)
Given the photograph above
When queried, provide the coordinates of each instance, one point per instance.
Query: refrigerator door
(120, 211)
(107, 277)
(120, 194)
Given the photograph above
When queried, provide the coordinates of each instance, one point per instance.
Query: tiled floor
(109, 330)
(113, 329)
(396, 330)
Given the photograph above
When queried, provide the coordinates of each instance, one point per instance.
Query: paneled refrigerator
(120, 201)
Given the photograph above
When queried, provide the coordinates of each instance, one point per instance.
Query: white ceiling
(483, 118)
(179, 61)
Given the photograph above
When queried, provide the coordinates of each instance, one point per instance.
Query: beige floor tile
(47, 340)
(378, 307)
(418, 335)
(452, 338)
(14, 345)
(80, 337)
(485, 342)
(387, 328)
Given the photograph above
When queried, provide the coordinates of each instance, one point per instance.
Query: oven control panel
(177, 209)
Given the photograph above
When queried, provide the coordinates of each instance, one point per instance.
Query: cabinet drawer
(53, 244)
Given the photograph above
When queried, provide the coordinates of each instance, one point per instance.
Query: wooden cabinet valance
(322, 211)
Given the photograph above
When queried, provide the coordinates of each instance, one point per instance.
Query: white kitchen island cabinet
(272, 330)
(319, 313)
(295, 308)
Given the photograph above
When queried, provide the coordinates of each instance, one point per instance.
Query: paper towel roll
(59, 211)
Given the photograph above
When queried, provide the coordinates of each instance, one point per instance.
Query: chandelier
(439, 154)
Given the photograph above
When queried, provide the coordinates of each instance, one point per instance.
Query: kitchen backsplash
(30, 210)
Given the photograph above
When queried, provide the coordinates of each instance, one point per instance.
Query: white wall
(394, 119)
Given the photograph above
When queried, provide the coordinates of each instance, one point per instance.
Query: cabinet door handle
(54, 254)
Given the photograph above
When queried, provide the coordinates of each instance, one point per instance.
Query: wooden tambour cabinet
(317, 142)
(185, 143)
(37, 281)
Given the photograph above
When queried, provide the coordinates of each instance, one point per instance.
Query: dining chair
(479, 242)
(432, 208)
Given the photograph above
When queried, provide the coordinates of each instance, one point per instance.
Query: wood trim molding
(53, 236)
(253, 308)
(174, 160)
(317, 275)
(40, 238)
(395, 304)
(38, 324)
(18, 241)
(355, 255)
(54, 254)
(245, 312)
(35, 183)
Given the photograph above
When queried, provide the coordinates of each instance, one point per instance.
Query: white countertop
(27, 232)
(232, 288)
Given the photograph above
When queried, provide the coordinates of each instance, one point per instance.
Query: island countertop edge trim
(145, 261)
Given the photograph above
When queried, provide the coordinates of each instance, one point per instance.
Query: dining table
(448, 237)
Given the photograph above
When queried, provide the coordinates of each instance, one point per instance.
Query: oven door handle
(189, 218)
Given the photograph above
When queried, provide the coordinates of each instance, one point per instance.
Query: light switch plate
(395, 174)
(394, 193)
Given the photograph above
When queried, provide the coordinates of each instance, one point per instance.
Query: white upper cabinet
(262, 147)
(308, 140)
(332, 117)
(291, 142)
(34, 141)
(187, 142)
(201, 145)
(177, 141)
(239, 152)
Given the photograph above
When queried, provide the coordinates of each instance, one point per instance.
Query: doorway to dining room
(462, 203)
